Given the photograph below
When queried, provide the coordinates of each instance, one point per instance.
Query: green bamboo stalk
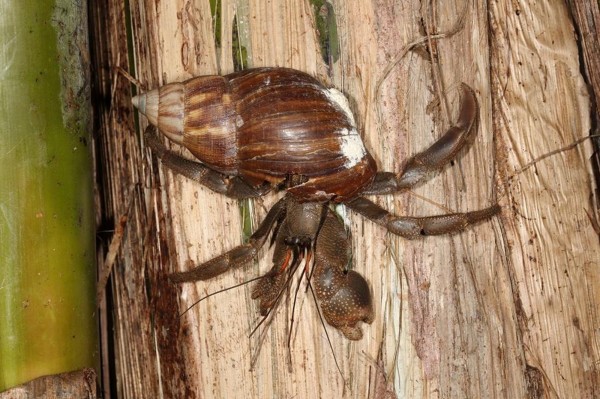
(47, 255)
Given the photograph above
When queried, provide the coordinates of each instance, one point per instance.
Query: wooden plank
(551, 249)
(504, 309)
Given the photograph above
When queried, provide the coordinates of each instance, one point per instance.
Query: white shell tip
(136, 101)
(147, 104)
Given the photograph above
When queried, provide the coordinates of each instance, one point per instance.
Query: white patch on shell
(351, 143)
(352, 147)
(341, 101)
(342, 212)
(239, 121)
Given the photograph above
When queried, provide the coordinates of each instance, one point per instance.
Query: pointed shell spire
(147, 104)
(164, 108)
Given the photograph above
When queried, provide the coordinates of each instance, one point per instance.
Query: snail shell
(266, 125)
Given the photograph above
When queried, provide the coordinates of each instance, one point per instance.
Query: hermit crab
(268, 129)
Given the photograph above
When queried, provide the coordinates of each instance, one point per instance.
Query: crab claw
(344, 295)
(345, 300)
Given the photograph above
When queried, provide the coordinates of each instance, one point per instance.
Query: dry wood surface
(506, 309)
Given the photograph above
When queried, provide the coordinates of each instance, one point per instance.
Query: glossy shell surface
(269, 125)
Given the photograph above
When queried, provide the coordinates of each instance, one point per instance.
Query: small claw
(268, 289)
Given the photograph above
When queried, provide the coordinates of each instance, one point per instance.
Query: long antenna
(289, 340)
(220, 291)
(270, 314)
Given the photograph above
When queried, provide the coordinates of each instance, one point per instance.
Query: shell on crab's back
(266, 124)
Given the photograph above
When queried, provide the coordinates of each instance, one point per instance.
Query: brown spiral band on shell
(210, 123)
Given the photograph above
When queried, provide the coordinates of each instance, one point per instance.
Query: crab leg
(233, 187)
(425, 163)
(413, 227)
(239, 255)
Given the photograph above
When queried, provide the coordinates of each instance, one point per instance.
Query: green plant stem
(47, 255)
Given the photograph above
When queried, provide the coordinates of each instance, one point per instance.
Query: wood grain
(505, 309)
